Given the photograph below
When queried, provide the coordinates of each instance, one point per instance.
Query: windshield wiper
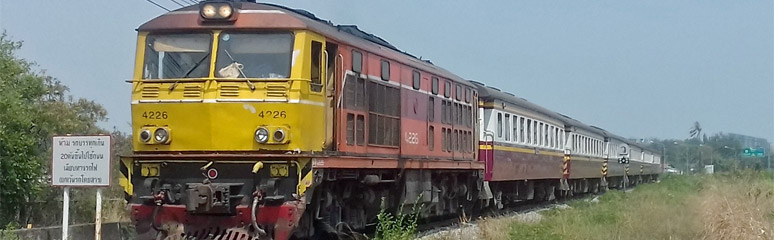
(189, 71)
(250, 84)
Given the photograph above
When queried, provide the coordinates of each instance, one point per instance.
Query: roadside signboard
(753, 152)
(81, 161)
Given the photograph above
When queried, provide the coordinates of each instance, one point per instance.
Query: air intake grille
(276, 90)
(229, 90)
(150, 91)
(193, 91)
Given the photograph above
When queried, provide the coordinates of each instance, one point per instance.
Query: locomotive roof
(257, 16)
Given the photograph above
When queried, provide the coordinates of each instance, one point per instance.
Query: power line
(177, 3)
(157, 5)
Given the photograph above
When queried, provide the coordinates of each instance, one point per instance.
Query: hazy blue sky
(636, 68)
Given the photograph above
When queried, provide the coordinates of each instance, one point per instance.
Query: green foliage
(721, 150)
(400, 226)
(33, 108)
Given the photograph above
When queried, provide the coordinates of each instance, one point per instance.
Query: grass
(401, 226)
(722, 206)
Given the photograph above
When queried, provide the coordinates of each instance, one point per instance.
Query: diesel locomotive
(257, 121)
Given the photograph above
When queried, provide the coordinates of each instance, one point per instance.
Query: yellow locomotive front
(226, 91)
(229, 105)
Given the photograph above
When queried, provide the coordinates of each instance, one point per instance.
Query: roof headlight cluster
(225, 11)
(216, 10)
(208, 11)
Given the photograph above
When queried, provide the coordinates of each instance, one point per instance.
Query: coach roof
(487, 93)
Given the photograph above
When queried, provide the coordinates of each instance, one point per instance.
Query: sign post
(81, 161)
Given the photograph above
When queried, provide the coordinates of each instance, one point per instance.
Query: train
(259, 121)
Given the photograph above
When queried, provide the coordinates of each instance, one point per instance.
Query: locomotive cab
(254, 89)
(229, 103)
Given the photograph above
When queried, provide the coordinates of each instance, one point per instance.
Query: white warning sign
(81, 161)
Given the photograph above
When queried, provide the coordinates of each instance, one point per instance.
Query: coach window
(434, 89)
(447, 89)
(416, 79)
(357, 61)
(539, 132)
(467, 95)
(545, 135)
(550, 134)
(529, 131)
(499, 125)
(514, 128)
(561, 139)
(588, 146)
(507, 127)
(521, 129)
(385, 70)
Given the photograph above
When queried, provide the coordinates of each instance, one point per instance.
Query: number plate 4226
(272, 114)
(155, 115)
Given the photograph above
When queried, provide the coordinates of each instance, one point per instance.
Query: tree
(33, 108)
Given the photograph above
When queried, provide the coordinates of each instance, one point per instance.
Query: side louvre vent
(276, 90)
(150, 91)
(229, 90)
(192, 91)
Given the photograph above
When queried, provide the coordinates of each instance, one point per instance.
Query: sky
(639, 69)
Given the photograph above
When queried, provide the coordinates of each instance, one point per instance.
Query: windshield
(249, 55)
(177, 56)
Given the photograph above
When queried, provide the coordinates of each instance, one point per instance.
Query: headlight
(161, 136)
(225, 11)
(145, 135)
(208, 11)
(279, 135)
(262, 135)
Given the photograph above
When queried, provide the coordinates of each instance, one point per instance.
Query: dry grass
(710, 207)
(738, 207)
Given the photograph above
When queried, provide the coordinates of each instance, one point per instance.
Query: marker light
(208, 11)
(225, 11)
(161, 136)
(279, 135)
(212, 173)
(145, 135)
(262, 135)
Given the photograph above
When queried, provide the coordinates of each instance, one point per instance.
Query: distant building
(749, 141)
